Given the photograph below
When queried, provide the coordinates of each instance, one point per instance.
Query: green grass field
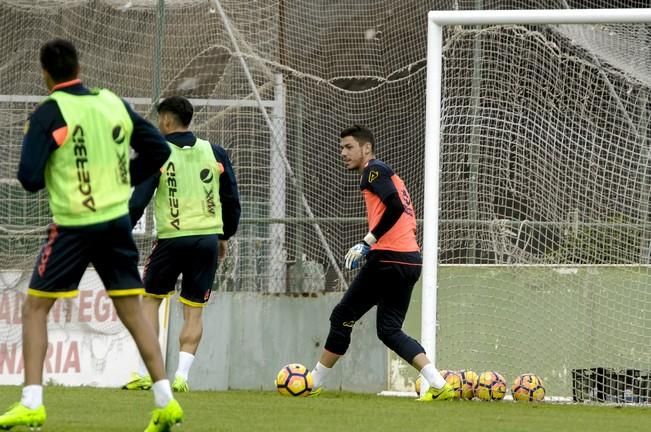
(106, 410)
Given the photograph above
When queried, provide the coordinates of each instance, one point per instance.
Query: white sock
(319, 374)
(32, 396)
(162, 393)
(424, 385)
(433, 376)
(185, 363)
(142, 369)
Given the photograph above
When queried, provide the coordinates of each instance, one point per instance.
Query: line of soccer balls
(295, 379)
(491, 386)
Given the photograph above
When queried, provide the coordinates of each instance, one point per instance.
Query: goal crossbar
(436, 21)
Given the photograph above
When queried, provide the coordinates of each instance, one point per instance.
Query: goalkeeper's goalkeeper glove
(358, 252)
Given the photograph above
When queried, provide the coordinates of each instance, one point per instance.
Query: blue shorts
(67, 251)
(195, 257)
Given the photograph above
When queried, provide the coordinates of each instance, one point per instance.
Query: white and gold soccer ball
(294, 380)
(491, 386)
(469, 383)
(528, 387)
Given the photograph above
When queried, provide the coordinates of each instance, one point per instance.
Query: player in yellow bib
(197, 209)
(77, 147)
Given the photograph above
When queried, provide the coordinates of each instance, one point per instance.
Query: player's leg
(129, 311)
(58, 269)
(189, 339)
(395, 294)
(141, 380)
(358, 299)
(30, 411)
(168, 412)
(150, 308)
(199, 267)
(399, 275)
(160, 274)
(115, 258)
(34, 319)
(434, 387)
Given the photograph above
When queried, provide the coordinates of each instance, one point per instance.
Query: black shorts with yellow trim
(67, 251)
(194, 257)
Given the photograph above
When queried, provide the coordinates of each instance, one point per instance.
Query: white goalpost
(435, 107)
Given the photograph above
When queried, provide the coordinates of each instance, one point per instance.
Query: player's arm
(150, 146)
(377, 180)
(141, 196)
(384, 188)
(228, 194)
(39, 142)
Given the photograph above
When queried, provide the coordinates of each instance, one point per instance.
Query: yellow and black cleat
(163, 419)
(20, 415)
(138, 382)
(433, 394)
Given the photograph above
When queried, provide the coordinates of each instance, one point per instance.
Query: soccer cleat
(138, 382)
(316, 392)
(163, 419)
(180, 385)
(20, 415)
(444, 393)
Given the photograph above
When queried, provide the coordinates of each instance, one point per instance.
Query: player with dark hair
(392, 267)
(197, 210)
(76, 146)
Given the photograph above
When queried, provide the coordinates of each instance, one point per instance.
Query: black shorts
(195, 257)
(386, 280)
(67, 251)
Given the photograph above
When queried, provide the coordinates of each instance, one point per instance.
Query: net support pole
(277, 189)
(158, 56)
(436, 21)
(475, 141)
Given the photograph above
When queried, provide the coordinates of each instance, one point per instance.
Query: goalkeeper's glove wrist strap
(370, 239)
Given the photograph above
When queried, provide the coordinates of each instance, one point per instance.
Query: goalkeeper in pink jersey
(392, 265)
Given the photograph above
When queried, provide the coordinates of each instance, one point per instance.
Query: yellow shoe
(20, 415)
(180, 385)
(434, 394)
(316, 392)
(138, 382)
(163, 419)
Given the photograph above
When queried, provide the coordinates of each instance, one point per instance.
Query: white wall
(249, 337)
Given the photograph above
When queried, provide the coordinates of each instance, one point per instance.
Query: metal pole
(475, 142)
(158, 56)
(155, 93)
(300, 159)
(277, 189)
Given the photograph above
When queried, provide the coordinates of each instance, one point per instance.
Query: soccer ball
(294, 380)
(469, 382)
(454, 379)
(528, 387)
(491, 386)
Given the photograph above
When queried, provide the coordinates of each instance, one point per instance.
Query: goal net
(544, 242)
(544, 245)
(258, 91)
